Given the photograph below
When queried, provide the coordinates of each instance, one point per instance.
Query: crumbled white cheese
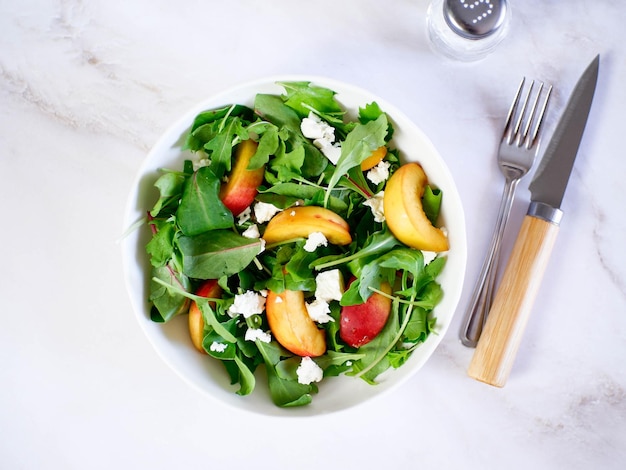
(330, 151)
(247, 304)
(218, 347)
(315, 240)
(313, 127)
(308, 371)
(375, 203)
(323, 136)
(251, 232)
(429, 256)
(244, 216)
(379, 173)
(253, 334)
(264, 211)
(319, 311)
(201, 162)
(329, 285)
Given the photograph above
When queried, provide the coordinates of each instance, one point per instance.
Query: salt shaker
(467, 29)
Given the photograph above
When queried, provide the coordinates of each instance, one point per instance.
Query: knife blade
(502, 334)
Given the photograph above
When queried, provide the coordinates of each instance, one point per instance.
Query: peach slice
(404, 212)
(301, 221)
(374, 159)
(291, 325)
(209, 289)
(361, 323)
(242, 186)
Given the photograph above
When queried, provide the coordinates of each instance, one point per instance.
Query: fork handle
(482, 296)
(502, 335)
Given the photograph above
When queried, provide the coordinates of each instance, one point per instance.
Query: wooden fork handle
(497, 347)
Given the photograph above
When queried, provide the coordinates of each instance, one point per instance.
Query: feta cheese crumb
(253, 334)
(247, 304)
(332, 152)
(202, 162)
(251, 232)
(375, 203)
(329, 285)
(379, 173)
(429, 256)
(244, 216)
(323, 136)
(319, 311)
(313, 127)
(264, 211)
(315, 240)
(308, 371)
(218, 347)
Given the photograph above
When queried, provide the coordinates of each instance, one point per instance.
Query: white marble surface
(86, 87)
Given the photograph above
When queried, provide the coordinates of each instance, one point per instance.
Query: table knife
(502, 334)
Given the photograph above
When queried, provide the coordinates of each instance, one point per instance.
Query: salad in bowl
(294, 241)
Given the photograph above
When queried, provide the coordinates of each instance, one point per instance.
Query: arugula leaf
(220, 147)
(203, 128)
(431, 203)
(268, 144)
(303, 97)
(161, 246)
(359, 144)
(272, 109)
(170, 186)
(200, 207)
(288, 165)
(218, 253)
(377, 243)
(168, 302)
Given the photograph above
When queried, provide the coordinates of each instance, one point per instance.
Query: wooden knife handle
(502, 334)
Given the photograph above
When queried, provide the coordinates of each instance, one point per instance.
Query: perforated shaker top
(475, 19)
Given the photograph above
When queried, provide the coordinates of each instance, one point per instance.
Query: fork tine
(531, 118)
(535, 132)
(522, 113)
(508, 131)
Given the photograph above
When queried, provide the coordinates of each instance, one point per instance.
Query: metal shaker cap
(475, 19)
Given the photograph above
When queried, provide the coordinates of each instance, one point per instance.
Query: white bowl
(171, 340)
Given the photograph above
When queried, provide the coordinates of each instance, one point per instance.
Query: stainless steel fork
(517, 152)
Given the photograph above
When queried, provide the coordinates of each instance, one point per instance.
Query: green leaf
(371, 112)
(200, 208)
(359, 144)
(417, 328)
(268, 144)
(404, 259)
(246, 378)
(170, 186)
(431, 203)
(207, 123)
(377, 243)
(211, 320)
(303, 97)
(218, 253)
(161, 246)
(168, 303)
(272, 109)
(220, 147)
(288, 165)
